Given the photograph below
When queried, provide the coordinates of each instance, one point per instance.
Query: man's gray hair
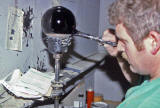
(138, 16)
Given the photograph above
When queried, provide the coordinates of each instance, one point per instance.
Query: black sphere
(58, 20)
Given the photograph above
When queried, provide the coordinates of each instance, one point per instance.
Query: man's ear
(154, 42)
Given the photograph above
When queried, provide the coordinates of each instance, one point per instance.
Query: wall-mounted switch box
(14, 29)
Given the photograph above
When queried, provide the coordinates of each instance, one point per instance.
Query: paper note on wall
(15, 29)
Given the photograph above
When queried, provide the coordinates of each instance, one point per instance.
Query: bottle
(90, 97)
(79, 102)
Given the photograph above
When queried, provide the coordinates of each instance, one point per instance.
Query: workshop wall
(34, 52)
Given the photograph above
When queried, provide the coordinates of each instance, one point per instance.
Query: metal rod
(57, 71)
(56, 102)
(91, 37)
(57, 66)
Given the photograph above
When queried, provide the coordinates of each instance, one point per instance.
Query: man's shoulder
(143, 99)
(145, 90)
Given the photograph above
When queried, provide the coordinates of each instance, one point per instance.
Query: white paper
(33, 84)
(36, 80)
(15, 29)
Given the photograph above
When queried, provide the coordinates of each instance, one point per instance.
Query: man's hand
(109, 35)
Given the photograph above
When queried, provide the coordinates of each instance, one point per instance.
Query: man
(137, 33)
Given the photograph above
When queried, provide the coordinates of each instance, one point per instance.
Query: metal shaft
(57, 71)
(56, 102)
(91, 37)
(57, 66)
